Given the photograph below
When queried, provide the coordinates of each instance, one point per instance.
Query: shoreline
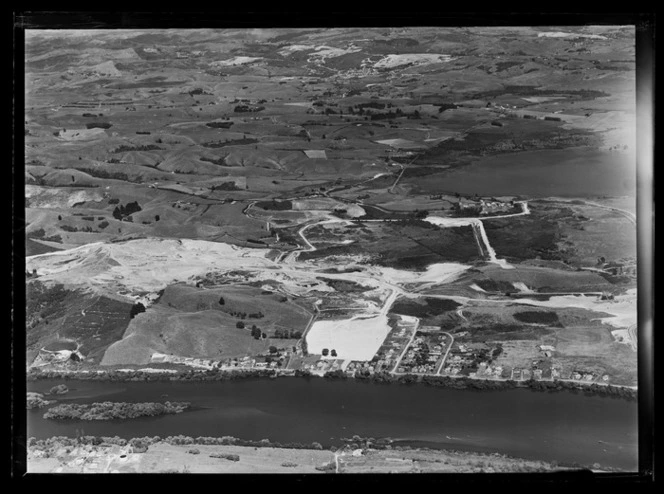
(458, 382)
(61, 454)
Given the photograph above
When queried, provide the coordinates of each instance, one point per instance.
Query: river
(562, 426)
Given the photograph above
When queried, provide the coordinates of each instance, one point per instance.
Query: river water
(562, 426)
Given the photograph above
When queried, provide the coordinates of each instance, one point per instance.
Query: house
(547, 348)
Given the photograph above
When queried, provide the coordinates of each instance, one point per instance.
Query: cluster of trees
(181, 374)
(220, 161)
(229, 185)
(285, 334)
(121, 211)
(275, 205)
(327, 352)
(231, 142)
(98, 125)
(527, 90)
(226, 456)
(36, 400)
(591, 389)
(543, 317)
(248, 108)
(60, 389)
(197, 91)
(256, 333)
(179, 440)
(219, 125)
(67, 228)
(110, 410)
(357, 442)
(41, 234)
(335, 374)
(241, 315)
(145, 147)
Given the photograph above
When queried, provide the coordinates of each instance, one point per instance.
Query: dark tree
(239, 325)
(137, 308)
(156, 217)
(273, 349)
(333, 353)
(325, 352)
(222, 301)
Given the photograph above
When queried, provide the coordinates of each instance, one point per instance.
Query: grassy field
(409, 245)
(207, 334)
(93, 321)
(190, 322)
(166, 458)
(429, 461)
(269, 311)
(425, 309)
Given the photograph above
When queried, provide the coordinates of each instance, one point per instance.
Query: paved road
(449, 347)
(405, 349)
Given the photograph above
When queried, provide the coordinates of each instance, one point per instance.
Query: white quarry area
(623, 307)
(562, 34)
(107, 69)
(444, 272)
(144, 264)
(358, 338)
(327, 204)
(621, 336)
(81, 134)
(287, 50)
(43, 197)
(323, 52)
(522, 287)
(412, 58)
(235, 61)
(475, 287)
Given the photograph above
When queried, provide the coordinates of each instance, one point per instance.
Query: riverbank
(91, 454)
(456, 382)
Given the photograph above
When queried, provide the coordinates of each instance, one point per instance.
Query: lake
(574, 172)
(562, 426)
